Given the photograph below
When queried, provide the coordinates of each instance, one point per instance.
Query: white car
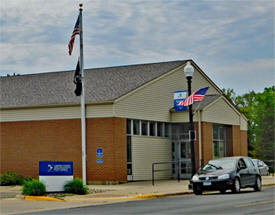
(263, 168)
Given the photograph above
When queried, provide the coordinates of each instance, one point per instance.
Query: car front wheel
(236, 186)
(258, 184)
(197, 192)
(222, 191)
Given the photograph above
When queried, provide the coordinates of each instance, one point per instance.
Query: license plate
(207, 183)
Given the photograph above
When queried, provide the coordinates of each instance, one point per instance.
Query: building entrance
(182, 153)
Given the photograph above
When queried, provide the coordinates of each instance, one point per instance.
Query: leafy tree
(230, 93)
(265, 124)
(260, 110)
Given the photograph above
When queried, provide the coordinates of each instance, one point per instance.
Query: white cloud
(217, 34)
(243, 76)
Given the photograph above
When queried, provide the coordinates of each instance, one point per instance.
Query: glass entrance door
(185, 160)
(182, 153)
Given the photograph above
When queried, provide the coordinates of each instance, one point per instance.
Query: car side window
(249, 163)
(241, 164)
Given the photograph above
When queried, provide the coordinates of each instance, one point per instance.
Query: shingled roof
(57, 88)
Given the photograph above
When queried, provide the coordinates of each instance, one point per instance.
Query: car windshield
(255, 161)
(212, 165)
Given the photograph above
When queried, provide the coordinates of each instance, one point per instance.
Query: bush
(10, 178)
(27, 179)
(76, 186)
(34, 188)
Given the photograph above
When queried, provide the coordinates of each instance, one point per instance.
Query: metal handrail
(162, 170)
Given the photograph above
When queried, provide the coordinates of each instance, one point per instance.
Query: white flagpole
(83, 110)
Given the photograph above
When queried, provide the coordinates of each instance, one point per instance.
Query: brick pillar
(244, 143)
(207, 141)
(229, 141)
(110, 135)
(236, 140)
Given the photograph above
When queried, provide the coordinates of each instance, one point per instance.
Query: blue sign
(99, 153)
(179, 96)
(99, 161)
(56, 168)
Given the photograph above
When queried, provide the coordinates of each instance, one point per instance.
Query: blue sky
(231, 40)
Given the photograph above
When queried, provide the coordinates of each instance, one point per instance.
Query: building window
(152, 129)
(144, 128)
(148, 128)
(129, 155)
(136, 128)
(219, 141)
(160, 129)
(167, 130)
(129, 126)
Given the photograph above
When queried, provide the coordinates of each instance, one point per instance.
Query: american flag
(75, 32)
(197, 96)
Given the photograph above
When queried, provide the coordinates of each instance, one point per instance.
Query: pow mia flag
(77, 80)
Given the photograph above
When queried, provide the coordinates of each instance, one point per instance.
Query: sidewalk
(11, 200)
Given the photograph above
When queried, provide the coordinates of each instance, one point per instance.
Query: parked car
(229, 173)
(263, 168)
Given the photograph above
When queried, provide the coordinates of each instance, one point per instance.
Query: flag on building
(77, 80)
(197, 96)
(179, 96)
(76, 31)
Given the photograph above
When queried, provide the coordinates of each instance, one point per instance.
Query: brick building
(129, 115)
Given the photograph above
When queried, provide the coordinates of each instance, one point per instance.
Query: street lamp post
(189, 71)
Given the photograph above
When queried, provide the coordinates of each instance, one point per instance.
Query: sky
(232, 41)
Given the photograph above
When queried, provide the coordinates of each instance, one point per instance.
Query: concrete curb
(144, 196)
(42, 198)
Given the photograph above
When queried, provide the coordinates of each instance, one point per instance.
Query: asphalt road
(246, 202)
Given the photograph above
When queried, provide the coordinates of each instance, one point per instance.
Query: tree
(265, 124)
(260, 110)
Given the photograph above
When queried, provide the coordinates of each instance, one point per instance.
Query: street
(246, 202)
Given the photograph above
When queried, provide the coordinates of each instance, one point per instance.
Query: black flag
(77, 80)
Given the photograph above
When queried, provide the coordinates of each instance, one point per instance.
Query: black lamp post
(189, 71)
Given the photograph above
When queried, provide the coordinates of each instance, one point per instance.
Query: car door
(243, 172)
(252, 171)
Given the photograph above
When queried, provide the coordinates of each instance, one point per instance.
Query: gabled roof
(57, 88)
(208, 99)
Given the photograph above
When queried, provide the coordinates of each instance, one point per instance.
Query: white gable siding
(179, 117)
(243, 124)
(147, 150)
(154, 100)
(45, 113)
(96, 111)
(221, 112)
(52, 113)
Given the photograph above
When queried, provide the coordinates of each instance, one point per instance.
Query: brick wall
(244, 143)
(229, 141)
(236, 140)
(207, 141)
(24, 144)
(110, 135)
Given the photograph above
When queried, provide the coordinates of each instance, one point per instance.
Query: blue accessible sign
(99, 155)
(56, 168)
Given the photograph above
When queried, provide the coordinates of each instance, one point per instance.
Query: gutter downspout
(200, 144)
